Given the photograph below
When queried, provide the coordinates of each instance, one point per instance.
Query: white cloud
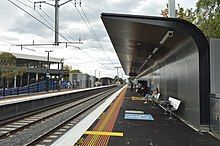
(146, 7)
(189, 4)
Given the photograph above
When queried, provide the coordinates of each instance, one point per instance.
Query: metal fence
(33, 88)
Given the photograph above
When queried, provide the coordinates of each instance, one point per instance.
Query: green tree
(8, 68)
(120, 80)
(181, 13)
(186, 14)
(8, 65)
(68, 69)
(7, 59)
(116, 78)
(75, 71)
(206, 16)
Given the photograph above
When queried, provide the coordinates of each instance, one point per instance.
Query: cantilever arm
(65, 2)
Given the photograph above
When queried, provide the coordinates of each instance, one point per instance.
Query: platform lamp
(99, 75)
(61, 68)
(48, 67)
(117, 72)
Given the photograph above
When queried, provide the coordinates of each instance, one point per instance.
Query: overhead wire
(90, 56)
(79, 47)
(33, 9)
(42, 11)
(6, 41)
(46, 19)
(52, 20)
(34, 18)
(95, 36)
(83, 19)
(49, 27)
(37, 13)
(37, 19)
(22, 47)
(31, 15)
(15, 45)
(92, 31)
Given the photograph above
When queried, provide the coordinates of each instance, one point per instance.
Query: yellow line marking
(104, 133)
(137, 98)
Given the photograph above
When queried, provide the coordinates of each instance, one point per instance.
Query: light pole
(117, 73)
(171, 9)
(117, 69)
(48, 67)
(99, 74)
(61, 68)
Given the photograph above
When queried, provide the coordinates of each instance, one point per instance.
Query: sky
(96, 54)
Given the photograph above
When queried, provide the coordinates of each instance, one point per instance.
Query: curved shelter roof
(144, 44)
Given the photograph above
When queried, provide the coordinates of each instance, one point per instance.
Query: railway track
(61, 118)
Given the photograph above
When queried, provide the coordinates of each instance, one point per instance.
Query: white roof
(34, 57)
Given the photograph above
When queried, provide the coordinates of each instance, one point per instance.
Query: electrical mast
(56, 6)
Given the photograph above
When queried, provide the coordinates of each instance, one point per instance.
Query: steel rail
(10, 132)
(56, 128)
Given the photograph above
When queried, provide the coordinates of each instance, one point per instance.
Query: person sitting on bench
(149, 97)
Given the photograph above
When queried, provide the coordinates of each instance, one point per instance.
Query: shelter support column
(21, 81)
(37, 77)
(15, 81)
(28, 79)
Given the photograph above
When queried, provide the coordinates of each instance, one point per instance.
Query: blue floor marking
(146, 117)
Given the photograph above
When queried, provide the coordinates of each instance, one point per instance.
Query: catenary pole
(56, 23)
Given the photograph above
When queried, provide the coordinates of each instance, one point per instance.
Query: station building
(80, 80)
(37, 67)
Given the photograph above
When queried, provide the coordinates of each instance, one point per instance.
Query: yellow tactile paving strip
(103, 128)
(104, 133)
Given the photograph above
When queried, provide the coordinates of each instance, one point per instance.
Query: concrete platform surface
(159, 132)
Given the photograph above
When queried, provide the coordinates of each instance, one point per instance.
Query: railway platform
(121, 119)
(128, 121)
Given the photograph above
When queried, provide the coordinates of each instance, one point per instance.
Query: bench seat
(171, 104)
